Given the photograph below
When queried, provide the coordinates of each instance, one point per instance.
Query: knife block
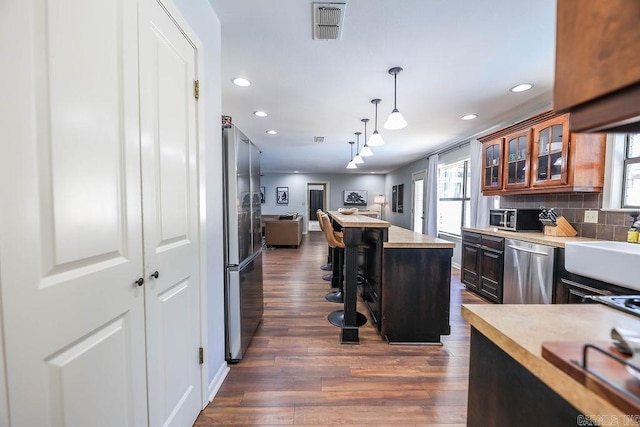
(562, 229)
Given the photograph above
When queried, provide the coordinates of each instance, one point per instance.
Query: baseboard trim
(217, 381)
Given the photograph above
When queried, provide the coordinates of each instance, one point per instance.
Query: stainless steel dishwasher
(528, 273)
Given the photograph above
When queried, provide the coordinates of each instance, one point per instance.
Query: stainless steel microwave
(515, 219)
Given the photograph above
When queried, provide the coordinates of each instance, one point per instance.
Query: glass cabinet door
(516, 168)
(492, 165)
(551, 147)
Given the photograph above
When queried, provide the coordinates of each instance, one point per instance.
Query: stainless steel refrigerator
(243, 242)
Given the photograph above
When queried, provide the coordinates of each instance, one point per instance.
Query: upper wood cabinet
(551, 152)
(540, 155)
(492, 165)
(597, 75)
(517, 160)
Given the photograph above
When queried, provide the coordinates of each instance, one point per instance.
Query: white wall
(205, 23)
(399, 176)
(297, 183)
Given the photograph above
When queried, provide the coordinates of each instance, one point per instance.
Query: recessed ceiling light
(240, 81)
(521, 88)
(296, 171)
(260, 113)
(469, 117)
(271, 132)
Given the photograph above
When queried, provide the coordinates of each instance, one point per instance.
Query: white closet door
(71, 223)
(170, 212)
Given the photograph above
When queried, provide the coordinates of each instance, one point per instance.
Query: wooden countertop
(529, 236)
(356, 220)
(402, 238)
(520, 330)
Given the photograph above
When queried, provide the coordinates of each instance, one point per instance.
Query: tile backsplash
(610, 226)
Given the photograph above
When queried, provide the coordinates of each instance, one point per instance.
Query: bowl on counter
(348, 211)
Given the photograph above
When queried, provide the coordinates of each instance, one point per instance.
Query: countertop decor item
(348, 211)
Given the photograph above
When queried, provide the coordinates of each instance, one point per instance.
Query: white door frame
(416, 176)
(325, 195)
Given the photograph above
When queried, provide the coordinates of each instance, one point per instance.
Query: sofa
(282, 230)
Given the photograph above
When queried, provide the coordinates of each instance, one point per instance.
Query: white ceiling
(458, 56)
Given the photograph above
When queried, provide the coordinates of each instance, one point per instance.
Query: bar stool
(328, 266)
(335, 240)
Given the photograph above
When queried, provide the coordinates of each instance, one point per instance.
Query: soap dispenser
(633, 233)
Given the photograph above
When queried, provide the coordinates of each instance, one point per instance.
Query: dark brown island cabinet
(407, 286)
(483, 264)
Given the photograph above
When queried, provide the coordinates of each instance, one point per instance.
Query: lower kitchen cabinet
(407, 290)
(572, 288)
(483, 264)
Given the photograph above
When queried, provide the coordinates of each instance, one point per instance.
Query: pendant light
(366, 151)
(395, 120)
(358, 160)
(376, 139)
(351, 164)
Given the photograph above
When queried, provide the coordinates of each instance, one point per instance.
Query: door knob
(155, 274)
(139, 282)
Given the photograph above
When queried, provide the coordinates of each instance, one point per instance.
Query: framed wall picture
(262, 194)
(282, 195)
(394, 198)
(400, 207)
(355, 198)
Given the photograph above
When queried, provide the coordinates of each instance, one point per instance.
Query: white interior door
(70, 228)
(417, 211)
(170, 212)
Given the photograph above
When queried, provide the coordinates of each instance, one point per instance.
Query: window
(631, 181)
(453, 197)
(622, 173)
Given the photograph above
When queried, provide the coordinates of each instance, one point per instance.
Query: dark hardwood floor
(296, 372)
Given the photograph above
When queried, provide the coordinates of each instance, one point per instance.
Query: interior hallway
(296, 372)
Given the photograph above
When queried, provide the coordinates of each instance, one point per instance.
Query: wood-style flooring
(296, 372)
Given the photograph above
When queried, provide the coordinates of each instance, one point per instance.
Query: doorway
(417, 209)
(316, 199)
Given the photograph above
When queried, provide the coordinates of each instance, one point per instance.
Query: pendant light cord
(395, 90)
(376, 117)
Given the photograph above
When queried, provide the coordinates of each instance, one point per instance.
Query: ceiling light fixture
(351, 164)
(241, 81)
(469, 117)
(271, 132)
(366, 151)
(260, 113)
(521, 87)
(395, 120)
(376, 139)
(358, 160)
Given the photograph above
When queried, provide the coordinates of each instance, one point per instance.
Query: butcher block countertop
(355, 220)
(528, 236)
(519, 330)
(402, 238)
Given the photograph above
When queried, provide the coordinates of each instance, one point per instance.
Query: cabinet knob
(155, 275)
(139, 282)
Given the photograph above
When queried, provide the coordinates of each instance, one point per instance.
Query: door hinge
(196, 89)
(201, 355)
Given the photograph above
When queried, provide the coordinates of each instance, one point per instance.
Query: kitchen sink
(611, 262)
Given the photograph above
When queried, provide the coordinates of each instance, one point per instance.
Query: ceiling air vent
(328, 19)
(318, 139)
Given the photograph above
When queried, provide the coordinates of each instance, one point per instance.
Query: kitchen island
(511, 384)
(354, 227)
(407, 285)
